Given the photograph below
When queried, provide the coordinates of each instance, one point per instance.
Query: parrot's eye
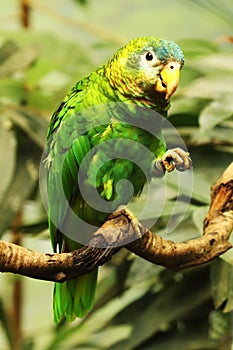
(150, 56)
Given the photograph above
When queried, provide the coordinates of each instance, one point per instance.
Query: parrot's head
(146, 66)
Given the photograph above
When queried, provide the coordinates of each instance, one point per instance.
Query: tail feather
(85, 293)
(69, 289)
(60, 301)
(74, 298)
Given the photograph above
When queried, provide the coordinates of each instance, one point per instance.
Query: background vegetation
(43, 52)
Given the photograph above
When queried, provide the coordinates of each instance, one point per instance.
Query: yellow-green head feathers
(136, 68)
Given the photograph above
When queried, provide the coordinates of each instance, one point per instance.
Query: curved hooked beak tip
(168, 79)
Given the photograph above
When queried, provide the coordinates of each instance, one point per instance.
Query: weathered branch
(217, 228)
(51, 267)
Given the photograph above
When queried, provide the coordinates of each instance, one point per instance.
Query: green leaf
(8, 154)
(221, 9)
(18, 61)
(195, 338)
(184, 230)
(198, 47)
(5, 324)
(53, 81)
(22, 184)
(188, 75)
(99, 319)
(82, 2)
(108, 336)
(218, 136)
(222, 284)
(199, 191)
(220, 325)
(33, 213)
(28, 344)
(33, 125)
(198, 217)
(7, 49)
(213, 63)
(213, 114)
(170, 305)
(11, 91)
(216, 86)
(106, 313)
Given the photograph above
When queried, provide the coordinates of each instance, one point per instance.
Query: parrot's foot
(134, 231)
(120, 228)
(175, 158)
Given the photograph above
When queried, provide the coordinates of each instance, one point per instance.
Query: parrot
(109, 106)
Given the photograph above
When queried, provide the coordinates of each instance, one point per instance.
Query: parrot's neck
(126, 91)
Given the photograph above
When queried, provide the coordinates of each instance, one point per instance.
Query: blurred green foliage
(139, 305)
(82, 2)
(222, 9)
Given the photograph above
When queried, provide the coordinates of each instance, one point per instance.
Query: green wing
(66, 150)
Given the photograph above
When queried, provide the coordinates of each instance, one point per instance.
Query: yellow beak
(168, 79)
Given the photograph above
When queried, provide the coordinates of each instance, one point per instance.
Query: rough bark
(217, 227)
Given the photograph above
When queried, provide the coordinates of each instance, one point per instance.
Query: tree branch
(217, 228)
(51, 267)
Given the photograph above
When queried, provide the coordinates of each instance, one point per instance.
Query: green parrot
(96, 139)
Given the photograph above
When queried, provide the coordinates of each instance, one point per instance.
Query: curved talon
(159, 168)
(187, 163)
